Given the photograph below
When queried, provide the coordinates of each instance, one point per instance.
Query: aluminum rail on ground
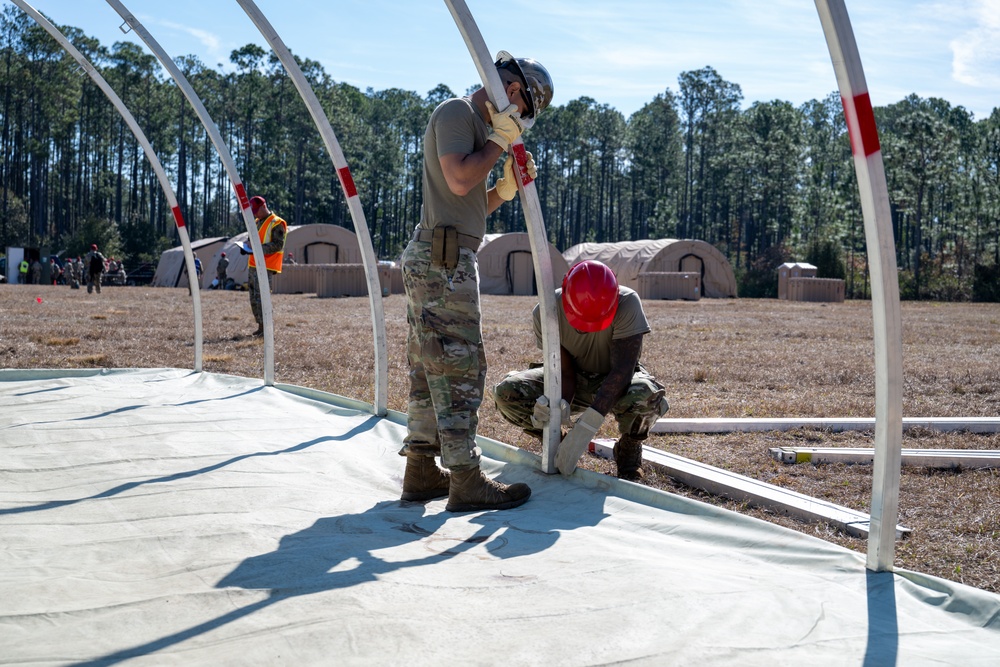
(836, 424)
(350, 194)
(234, 177)
(885, 281)
(536, 231)
(154, 161)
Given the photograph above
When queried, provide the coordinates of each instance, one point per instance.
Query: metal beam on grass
(536, 231)
(727, 484)
(834, 424)
(154, 161)
(946, 459)
(350, 193)
(234, 177)
(885, 282)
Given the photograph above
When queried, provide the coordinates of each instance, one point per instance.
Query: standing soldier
(444, 344)
(94, 261)
(272, 231)
(221, 270)
(75, 272)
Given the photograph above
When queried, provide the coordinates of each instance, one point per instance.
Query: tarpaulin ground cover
(161, 516)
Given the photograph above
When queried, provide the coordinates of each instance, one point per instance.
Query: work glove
(576, 441)
(506, 185)
(507, 125)
(245, 249)
(540, 415)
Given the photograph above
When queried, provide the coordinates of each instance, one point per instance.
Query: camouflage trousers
(635, 411)
(254, 285)
(444, 348)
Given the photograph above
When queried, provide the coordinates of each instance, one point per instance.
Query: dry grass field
(717, 358)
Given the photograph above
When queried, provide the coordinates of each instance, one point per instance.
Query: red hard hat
(93, 246)
(222, 254)
(256, 203)
(590, 296)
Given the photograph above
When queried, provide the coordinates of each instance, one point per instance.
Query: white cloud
(209, 40)
(976, 53)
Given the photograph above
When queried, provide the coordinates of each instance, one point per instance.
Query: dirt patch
(717, 358)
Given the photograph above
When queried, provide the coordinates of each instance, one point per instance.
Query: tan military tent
(630, 258)
(170, 270)
(506, 267)
(308, 244)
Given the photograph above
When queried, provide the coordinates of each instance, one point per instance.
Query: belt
(464, 240)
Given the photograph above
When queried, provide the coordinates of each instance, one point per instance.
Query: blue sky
(620, 53)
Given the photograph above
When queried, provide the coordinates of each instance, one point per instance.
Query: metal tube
(350, 193)
(147, 149)
(234, 177)
(885, 283)
(536, 233)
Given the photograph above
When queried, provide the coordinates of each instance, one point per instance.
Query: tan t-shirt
(455, 127)
(592, 351)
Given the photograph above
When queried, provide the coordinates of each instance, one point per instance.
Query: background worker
(221, 270)
(601, 325)
(94, 261)
(273, 231)
(462, 142)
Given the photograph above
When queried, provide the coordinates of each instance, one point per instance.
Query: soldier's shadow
(342, 551)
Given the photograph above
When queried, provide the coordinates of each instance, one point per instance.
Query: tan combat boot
(628, 457)
(471, 491)
(423, 480)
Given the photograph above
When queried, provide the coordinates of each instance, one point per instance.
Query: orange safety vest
(273, 261)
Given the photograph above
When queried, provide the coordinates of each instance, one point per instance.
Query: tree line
(764, 184)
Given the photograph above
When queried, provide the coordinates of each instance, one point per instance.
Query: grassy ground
(717, 358)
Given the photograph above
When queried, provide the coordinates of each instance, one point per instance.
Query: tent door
(693, 264)
(320, 253)
(521, 274)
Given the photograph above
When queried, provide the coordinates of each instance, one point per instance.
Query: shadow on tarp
(320, 557)
(366, 425)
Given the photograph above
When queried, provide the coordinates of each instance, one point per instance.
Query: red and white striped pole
(150, 154)
(885, 281)
(368, 257)
(536, 234)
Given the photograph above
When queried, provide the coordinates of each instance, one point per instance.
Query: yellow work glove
(507, 185)
(576, 441)
(507, 125)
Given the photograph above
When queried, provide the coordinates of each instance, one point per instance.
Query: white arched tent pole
(234, 177)
(536, 232)
(150, 155)
(350, 193)
(885, 282)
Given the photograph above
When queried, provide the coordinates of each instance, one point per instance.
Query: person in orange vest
(272, 231)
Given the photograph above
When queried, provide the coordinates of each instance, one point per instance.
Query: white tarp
(630, 258)
(162, 516)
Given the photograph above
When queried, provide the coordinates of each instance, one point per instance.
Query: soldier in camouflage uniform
(601, 326)
(464, 139)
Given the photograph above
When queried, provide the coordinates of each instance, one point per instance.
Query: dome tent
(170, 270)
(630, 258)
(308, 244)
(506, 266)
